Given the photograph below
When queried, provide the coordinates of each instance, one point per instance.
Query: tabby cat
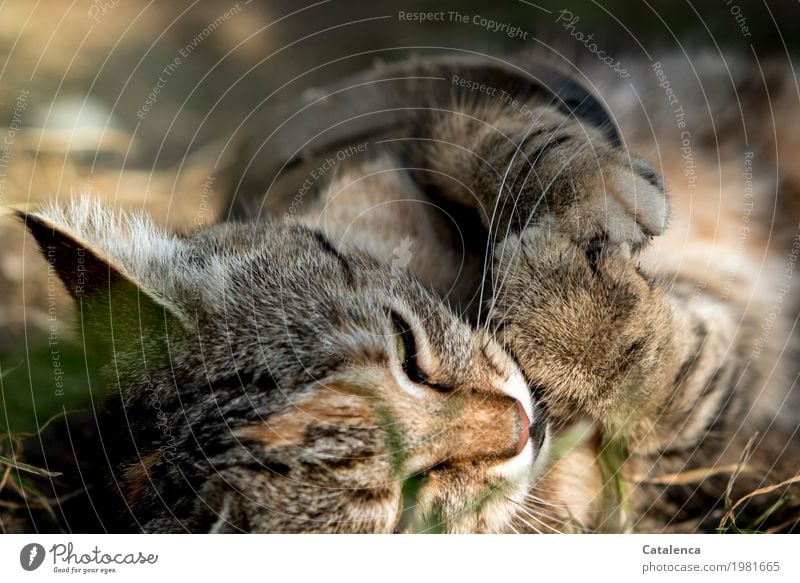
(448, 297)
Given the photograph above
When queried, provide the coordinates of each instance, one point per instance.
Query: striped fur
(536, 261)
(624, 314)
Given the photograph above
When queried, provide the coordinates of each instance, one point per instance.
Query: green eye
(406, 347)
(400, 344)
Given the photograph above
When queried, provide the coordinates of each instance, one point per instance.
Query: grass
(728, 523)
(30, 404)
(30, 392)
(16, 485)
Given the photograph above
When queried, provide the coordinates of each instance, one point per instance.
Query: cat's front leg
(515, 172)
(596, 335)
(598, 338)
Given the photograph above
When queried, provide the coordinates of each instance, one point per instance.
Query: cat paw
(621, 200)
(577, 318)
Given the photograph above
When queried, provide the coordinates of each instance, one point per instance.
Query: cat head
(262, 380)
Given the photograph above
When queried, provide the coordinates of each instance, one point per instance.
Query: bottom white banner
(351, 558)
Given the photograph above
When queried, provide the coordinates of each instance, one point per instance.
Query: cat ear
(85, 272)
(118, 315)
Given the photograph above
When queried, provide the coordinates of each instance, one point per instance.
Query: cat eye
(406, 348)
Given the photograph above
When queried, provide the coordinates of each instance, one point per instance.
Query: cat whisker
(529, 513)
(529, 525)
(532, 516)
(533, 498)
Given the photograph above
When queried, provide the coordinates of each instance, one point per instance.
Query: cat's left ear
(118, 315)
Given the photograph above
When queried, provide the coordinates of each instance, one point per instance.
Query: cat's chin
(512, 480)
(520, 472)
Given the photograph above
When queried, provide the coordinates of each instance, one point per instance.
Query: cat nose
(524, 427)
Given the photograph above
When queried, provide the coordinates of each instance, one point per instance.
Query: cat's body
(713, 264)
(636, 325)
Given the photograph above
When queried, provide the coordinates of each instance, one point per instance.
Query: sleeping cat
(448, 300)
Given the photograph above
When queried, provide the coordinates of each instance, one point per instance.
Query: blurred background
(144, 104)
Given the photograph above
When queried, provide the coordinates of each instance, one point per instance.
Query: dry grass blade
(743, 459)
(6, 475)
(765, 490)
(693, 476)
(28, 468)
(61, 414)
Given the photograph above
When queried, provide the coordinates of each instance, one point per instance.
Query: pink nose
(525, 428)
